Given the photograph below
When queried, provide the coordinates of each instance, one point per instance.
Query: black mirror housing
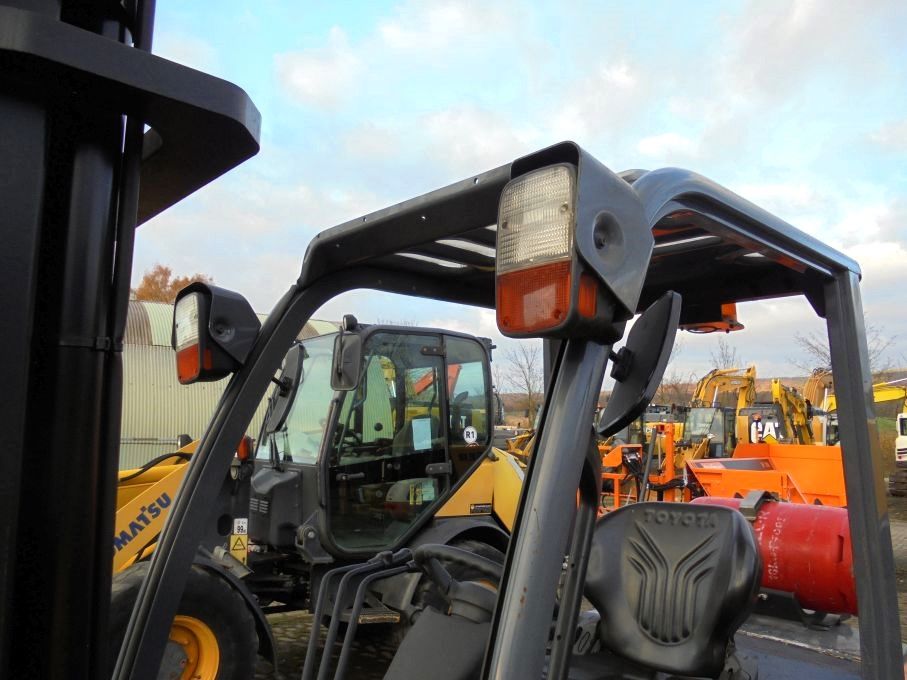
(347, 362)
(640, 365)
(225, 326)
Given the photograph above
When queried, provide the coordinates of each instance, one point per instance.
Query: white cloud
(426, 27)
(892, 136)
(667, 145)
(369, 140)
(467, 138)
(320, 77)
(605, 101)
(777, 44)
(476, 321)
(187, 50)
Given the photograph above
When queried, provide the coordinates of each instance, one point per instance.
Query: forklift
(562, 247)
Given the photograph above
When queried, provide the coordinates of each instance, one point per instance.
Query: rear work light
(535, 250)
(213, 331)
(191, 357)
(535, 272)
(572, 250)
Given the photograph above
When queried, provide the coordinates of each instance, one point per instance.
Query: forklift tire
(213, 634)
(426, 595)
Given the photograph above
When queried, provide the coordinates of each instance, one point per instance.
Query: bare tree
(725, 356)
(814, 346)
(498, 376)
(524, 373)
(676, 386)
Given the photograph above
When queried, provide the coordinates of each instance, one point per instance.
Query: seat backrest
(672, 583)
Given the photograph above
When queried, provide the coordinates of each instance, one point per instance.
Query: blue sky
(799, 106)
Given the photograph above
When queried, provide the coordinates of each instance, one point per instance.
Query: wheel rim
(199, 645)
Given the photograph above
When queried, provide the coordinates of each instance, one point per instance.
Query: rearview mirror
(639, 366)
(347, 361)
(287, 384)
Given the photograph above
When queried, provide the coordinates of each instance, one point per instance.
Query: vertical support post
(59, 373)
(525, 605)
(873, 559)
(22, 174)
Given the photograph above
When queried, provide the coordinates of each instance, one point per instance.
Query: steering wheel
(429, 558)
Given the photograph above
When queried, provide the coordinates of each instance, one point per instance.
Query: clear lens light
(535, 218)
(185, 321)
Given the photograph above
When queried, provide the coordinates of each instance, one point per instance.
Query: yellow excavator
(709, 427)
(787, 419)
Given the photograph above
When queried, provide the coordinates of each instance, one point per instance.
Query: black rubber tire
(427, 595)
(207, 597)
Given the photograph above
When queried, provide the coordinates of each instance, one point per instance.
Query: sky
(801, 107)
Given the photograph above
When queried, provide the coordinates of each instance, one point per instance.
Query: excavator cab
(714, 424)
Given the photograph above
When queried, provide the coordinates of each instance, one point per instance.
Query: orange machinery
(624, 466)
(798, 473)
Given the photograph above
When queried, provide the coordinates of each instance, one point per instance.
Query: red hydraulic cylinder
(806, 551)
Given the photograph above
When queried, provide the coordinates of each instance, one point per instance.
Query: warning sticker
(239, 547)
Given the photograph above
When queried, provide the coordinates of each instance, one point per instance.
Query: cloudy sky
(799, 106)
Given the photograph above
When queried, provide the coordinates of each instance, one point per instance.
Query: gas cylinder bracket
(753, 500)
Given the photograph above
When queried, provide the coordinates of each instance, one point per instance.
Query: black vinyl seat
(673, 582)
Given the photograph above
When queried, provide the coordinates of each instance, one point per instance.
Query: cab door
(388, 459)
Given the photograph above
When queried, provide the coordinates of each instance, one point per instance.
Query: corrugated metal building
(156, 408)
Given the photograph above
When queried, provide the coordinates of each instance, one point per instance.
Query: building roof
(149, 323)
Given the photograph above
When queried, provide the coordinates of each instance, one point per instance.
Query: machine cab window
(467, 393)
(297, 439)
(388, 453)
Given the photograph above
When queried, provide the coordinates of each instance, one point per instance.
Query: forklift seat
(673, 582)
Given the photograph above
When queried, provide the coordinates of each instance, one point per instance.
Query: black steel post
(547, 509)
(873, 559)
(60, 555)
(22, 175)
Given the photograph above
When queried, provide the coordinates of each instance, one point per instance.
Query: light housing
(711, 319)
(572, 248)
(213, 331)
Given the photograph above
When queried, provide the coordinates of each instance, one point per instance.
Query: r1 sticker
(470, 435)
(241, 526)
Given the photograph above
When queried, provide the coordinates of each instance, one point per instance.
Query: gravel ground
(897, 509)
(369, 661)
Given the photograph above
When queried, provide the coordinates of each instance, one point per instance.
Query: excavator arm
(796, 411)
(719, 380)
